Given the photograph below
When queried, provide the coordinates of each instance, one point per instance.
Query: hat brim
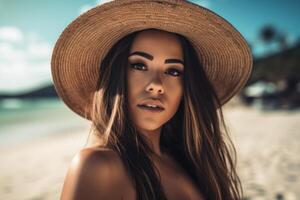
(224, 53)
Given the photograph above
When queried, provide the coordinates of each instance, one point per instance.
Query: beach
(267, 144)
(33, 168)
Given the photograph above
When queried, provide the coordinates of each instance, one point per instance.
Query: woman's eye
(175, 72)
(139, 66)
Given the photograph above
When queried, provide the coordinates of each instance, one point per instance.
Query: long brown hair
(196, 136)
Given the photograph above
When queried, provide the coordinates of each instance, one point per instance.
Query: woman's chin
(150, 128)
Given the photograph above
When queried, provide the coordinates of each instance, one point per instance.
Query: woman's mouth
(150, 108)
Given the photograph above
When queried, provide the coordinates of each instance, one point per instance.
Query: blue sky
(29, 29)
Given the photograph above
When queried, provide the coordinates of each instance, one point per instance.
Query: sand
(268, 150)
(267, 144)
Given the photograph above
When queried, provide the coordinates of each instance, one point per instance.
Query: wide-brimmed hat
(80, 49)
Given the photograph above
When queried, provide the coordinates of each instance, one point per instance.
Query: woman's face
(154, 76)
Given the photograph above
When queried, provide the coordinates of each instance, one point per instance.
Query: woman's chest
(176, 183)
(175, 188)
(179, 186)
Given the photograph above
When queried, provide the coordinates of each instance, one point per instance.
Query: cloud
(11, 34)
(102, 1)
(24, 60)
(204, 3)
(87, 7)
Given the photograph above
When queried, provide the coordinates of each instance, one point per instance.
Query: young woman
(153, 86)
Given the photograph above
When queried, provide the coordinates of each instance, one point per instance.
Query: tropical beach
(267, 144)
(40, 135)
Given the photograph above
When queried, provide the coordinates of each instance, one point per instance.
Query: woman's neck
(153, 140)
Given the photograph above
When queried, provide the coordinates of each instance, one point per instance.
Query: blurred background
(39, 135)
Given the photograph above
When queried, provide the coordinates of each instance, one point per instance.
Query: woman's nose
(155, 86)
(155, 89)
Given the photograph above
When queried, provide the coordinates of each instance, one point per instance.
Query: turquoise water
(22, 120)
(13, 110)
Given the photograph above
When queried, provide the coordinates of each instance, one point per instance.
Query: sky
(29, 30)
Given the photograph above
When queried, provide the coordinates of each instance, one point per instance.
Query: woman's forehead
(157, 43)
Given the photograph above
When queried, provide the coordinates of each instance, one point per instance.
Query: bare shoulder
(94, 173)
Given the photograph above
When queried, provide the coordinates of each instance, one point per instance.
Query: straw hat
(81, 47)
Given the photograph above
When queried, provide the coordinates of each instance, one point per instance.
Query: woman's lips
(156, 103)
(155, 110)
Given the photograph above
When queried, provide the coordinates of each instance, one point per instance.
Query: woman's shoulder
(94, 173)
(95, 156)
(103, 161)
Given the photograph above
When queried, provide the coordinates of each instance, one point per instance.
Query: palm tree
(269, 34)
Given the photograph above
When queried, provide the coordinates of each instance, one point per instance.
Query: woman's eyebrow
(150, 57)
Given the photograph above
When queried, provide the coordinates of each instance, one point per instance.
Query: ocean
(23, 120)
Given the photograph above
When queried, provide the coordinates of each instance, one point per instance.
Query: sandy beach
(267, 144)
(268, 149)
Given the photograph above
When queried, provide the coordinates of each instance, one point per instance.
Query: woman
(154, 93)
